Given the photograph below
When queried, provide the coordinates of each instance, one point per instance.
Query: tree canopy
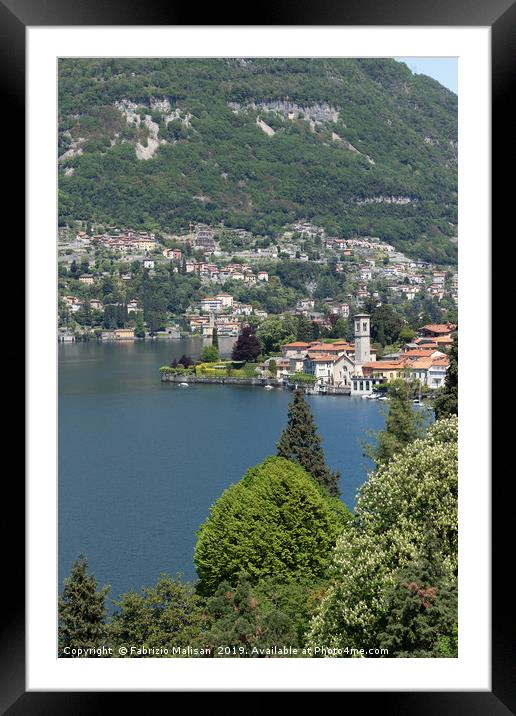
(404, 502)
(275, 522)
(247, 346)
(166, 615)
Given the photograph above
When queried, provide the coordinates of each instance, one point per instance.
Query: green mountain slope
(352, 145)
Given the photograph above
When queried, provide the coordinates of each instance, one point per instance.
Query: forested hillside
(356, 146)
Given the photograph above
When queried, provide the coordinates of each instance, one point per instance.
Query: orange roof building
(438, 329)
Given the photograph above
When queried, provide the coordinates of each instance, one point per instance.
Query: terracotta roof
(322, 358)
(426, 363)
(325, 348)
(421, 364)
(385, 365)
(298, 344)
(439, 327)
(426, 342)
(420, 352)
(441, 360)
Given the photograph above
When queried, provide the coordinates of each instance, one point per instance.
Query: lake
(140, 461)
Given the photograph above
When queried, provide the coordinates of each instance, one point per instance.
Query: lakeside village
(337, 367)
(123, 285)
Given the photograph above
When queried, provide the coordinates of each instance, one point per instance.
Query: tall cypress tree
(215, 338)
(82, 610)
(300, 443)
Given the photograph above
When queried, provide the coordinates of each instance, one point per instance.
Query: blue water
(140, 462)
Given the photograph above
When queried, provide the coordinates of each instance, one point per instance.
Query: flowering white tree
(402, 505)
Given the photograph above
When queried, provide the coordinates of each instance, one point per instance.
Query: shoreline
(257, 382)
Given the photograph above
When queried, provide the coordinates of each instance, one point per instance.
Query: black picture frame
(500, 16)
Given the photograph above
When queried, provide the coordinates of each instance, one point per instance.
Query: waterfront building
(119, 334)
(387, 369)
(361, 385)
(328, 368)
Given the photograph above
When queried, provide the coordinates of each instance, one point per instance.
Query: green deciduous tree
(275, 522)
(139, 328)
(407, 334)
(210, 354)
(82, 611)
(340, 329)
(395, 507)
(386, 325)
(274, 331)
(301, 443)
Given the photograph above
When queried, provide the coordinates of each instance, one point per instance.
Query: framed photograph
(251, 250)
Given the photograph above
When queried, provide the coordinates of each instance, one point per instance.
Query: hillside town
(111, 284)
(368, 266)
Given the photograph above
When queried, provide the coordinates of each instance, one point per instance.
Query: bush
(304, 378)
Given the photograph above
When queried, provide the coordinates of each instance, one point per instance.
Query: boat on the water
(267, 387)
(183, 385)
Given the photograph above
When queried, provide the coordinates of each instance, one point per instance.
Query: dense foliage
(275, 522)
(163, 616)
(247, 346)
(399, 509)
(245, 624)
(421, 609)
(446, 401)
(379, 133)
(403, 423)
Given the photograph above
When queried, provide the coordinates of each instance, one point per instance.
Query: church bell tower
(362, 339)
